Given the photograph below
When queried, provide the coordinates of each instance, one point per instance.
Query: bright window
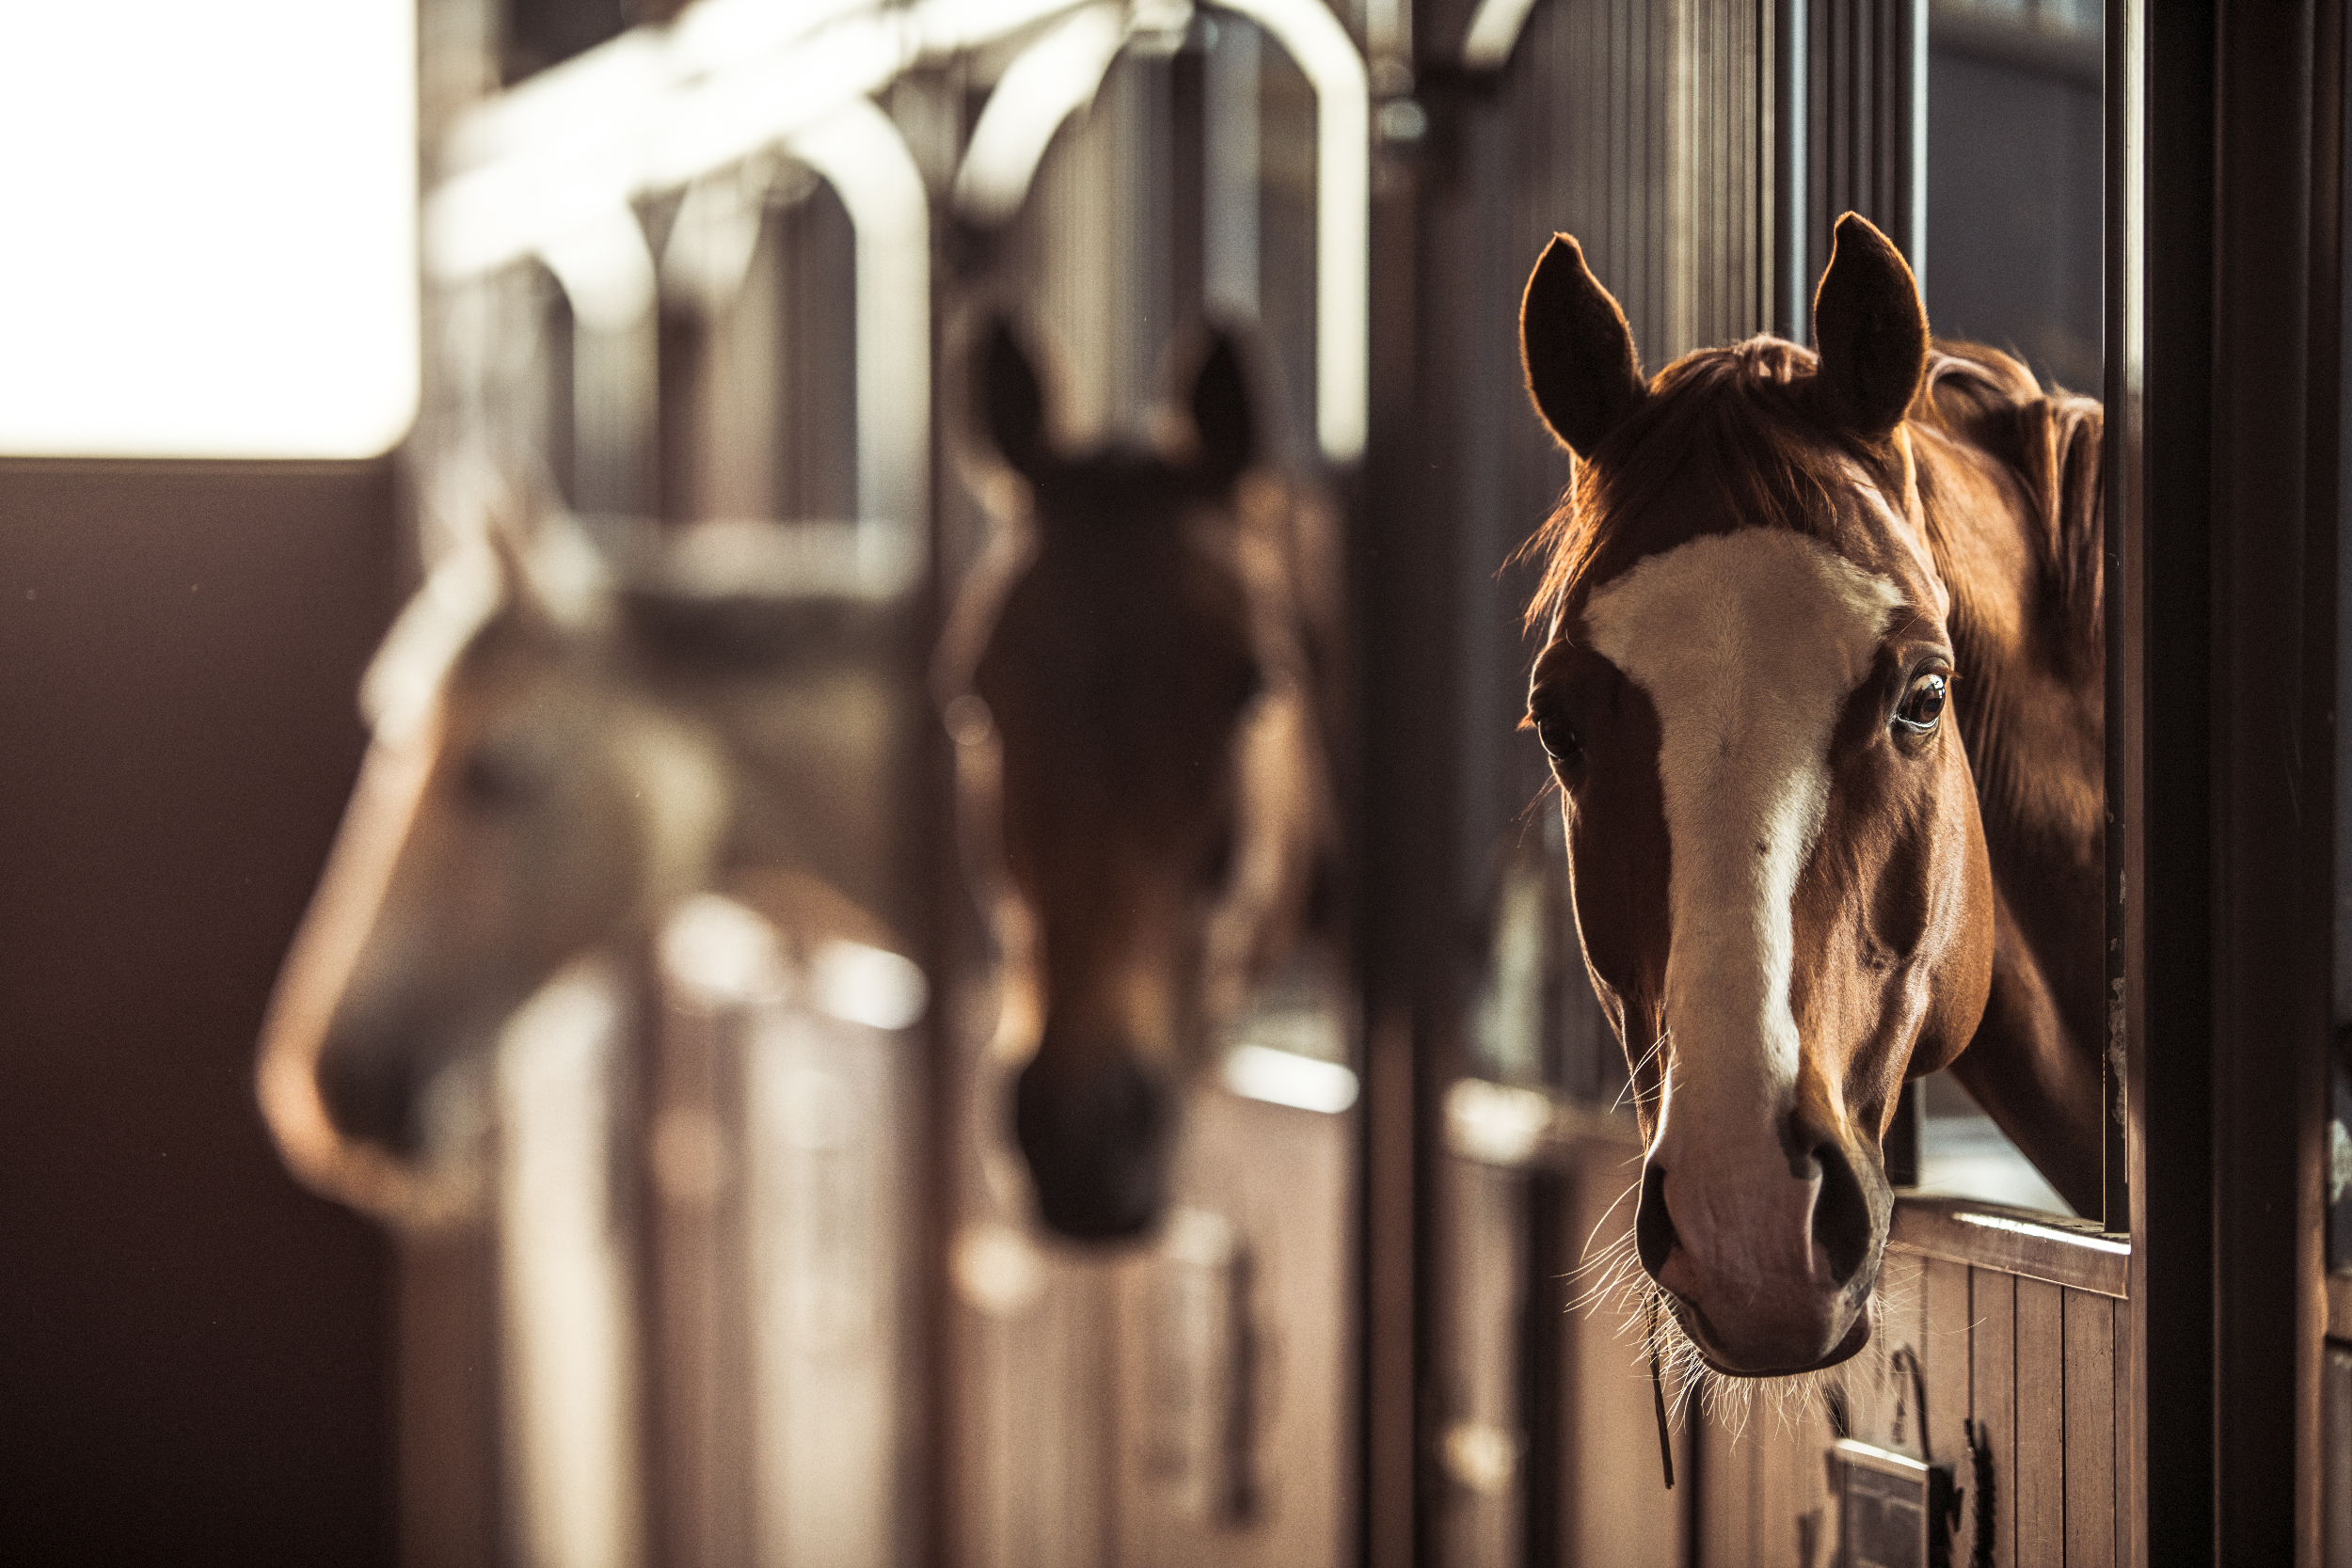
(207, 227)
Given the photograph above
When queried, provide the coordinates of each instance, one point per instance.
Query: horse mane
(2053, 442)
(1740, 425)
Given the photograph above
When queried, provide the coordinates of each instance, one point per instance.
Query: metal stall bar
(1147, 1360)
(1059, 74)
(578, 1482)
(861, 154)
(2231, 416)
(1314, 39)
(567, 204)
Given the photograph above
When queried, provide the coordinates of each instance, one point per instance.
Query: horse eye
(496, 777)
(1923, 703)
(1561, 742)
(1247, 686)
(1216, 864)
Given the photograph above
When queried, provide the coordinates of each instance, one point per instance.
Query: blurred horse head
(558, 756)
(1138, 678)
(1821, 687)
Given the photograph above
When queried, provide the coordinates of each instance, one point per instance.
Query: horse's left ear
(1010, 397)
(1584, 373)
(1870, 328)
(1223, 416)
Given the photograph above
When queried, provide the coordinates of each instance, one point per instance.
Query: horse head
(1748, 693)
(1135, 681)
(550, 772)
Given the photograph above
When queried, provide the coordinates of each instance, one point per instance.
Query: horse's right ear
(550, 573)
(1010, 400)
(1583, 373)
(1221, 412)
(1870, 328)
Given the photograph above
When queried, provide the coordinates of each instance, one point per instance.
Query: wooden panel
(1725, 1477)
(2041, 1468)
(1615, 1507)
(1944, 1360)
(2335, 1514)
(448, 1398)
(2053, 1247)
(1480, 1315)
(2089, 1430)
(1266, 1481)
(1993, 1397)
(1881, 1403)
(1792, 1512)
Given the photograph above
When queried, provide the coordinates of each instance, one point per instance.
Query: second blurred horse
(560, 756)
(1141, 680)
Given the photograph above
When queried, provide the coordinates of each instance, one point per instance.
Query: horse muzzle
(1769, 1274)
(1095, 1129)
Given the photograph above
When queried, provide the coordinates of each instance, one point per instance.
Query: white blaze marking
(1749, 644)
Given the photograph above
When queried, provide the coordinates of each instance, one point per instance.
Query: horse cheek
(1620, 908)
(1963, 976)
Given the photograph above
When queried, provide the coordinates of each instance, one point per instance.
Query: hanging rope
(1658, 1396)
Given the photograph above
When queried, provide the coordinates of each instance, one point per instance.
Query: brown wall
(193, 1353)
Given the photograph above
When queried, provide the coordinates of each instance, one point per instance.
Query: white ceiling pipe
(1048, 83)
(859, 151)
(649, 112)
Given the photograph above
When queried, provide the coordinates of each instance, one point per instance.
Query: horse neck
(810, 765)
(2031, 711)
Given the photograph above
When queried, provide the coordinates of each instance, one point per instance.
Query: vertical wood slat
(2089, 1429)
(1615, 1508)
(1874, 1388)
(1792, 1511)
(1993, 1397)
(1726, 1493)
(1944, 1352)
(2041, 1468)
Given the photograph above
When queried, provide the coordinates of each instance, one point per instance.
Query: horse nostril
(1095, 1136)
(370, 1096)
(1841, 1216)
(1653, 1227)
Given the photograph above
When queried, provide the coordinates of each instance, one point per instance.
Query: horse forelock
(1732, 432)
(1736, 430)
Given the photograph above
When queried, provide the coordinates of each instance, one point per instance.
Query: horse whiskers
(1633, 1079)
(1646, 1326)
(1592, 1260)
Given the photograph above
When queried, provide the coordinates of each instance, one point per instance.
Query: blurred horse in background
(1822, 686)
(1141, 678)
(567, 741)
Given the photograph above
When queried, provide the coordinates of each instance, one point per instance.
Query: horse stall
(662, 1291)
(716, 1246)
(751, 1185)
(2038, 1369)
(1132, 176)
(1701, 154)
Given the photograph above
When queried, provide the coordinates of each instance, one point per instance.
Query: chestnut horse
(1138, 678)
(560, 757)
(1821, 685)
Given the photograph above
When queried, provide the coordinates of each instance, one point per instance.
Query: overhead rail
(1059, 74)
(546, 168)
(549, 168)
(661, 106)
